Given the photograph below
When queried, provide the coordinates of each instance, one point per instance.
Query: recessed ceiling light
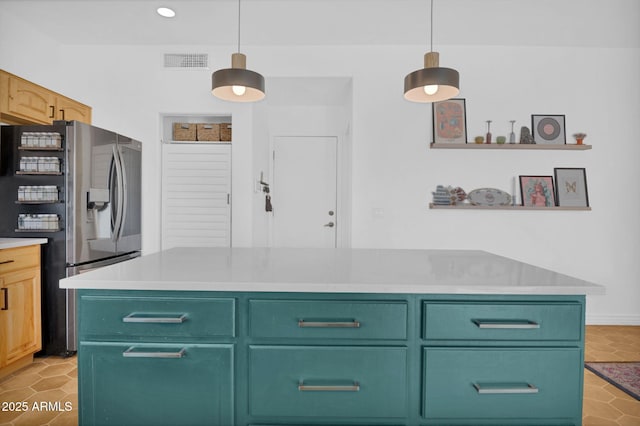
(166, 12)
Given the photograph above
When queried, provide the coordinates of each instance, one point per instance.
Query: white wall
(597, 88)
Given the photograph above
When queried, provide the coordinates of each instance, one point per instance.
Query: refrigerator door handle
(112, 194)
(123, 189)
(117, 224)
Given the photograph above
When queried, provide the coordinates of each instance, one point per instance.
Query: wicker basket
(225, 132)
(184, 132)
(208, 132)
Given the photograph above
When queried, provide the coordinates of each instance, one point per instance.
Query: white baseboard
(612, 319)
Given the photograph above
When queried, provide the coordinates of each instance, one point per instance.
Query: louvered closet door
(196, 193)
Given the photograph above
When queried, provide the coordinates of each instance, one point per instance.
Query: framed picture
(571, 187)
(537, 191)
(548, 129)
(449, 121)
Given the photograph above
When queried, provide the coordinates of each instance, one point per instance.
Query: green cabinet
(451, 320)
(290, 359)
(155, 359)
(486, 384)
(154, 318)
(324, 382)
(309, 319)
(155, 384)
(504, 360)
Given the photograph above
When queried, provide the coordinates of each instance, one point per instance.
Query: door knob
(330, 225)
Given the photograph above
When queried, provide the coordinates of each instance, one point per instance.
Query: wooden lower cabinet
(20, 313)
(294, 359)
(22, 300)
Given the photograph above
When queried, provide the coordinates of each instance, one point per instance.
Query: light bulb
(238, 90)
(430, 89)
(166, 12)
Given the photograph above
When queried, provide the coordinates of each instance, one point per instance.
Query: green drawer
(502, 321)
(323, 319)
(515, 383)
(328, 381)
(155, 384)
(166, 318)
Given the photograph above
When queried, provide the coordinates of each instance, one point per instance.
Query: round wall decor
(548, 129)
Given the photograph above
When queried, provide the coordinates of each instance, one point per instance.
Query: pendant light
(431, 83)
(237, 84)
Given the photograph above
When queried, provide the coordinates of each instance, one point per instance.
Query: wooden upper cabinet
(30, 101)
(24, 102)
(68, 109)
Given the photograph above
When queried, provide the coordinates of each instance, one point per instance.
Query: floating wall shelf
(40, 148)
(39, 173)
(39, 202)
(472, 207)
(38, 230)
(572, 147)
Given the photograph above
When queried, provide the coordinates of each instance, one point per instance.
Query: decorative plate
(489, 197)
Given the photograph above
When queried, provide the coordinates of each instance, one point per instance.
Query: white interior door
(196, 191)
(303, 192)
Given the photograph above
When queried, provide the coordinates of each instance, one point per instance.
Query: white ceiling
(610, 23)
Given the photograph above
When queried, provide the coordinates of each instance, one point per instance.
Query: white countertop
(6, 243)
(331, 271)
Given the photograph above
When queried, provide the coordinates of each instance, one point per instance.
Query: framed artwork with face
(537, 191)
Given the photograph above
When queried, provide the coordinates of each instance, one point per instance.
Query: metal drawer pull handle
(5, 307)
(6, 261)
(129, 353)
(505, 388)
(525, 324)
(328, 324)
(355, 387)
(146, 318)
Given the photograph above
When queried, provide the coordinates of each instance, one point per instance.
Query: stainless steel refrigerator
(80, 187)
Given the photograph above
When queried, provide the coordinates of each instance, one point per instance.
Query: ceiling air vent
(186, 60)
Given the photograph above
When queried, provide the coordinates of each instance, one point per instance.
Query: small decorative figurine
(458, 195)
(501, 139)
(525, 136)
(579, 137)
(479, 139)
(448, 195)
(488, 131)
(512, 135)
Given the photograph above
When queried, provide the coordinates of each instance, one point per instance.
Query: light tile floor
(54, 379)
(603, 403)
(43, 393)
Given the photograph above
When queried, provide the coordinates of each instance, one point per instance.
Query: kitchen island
(256, 336)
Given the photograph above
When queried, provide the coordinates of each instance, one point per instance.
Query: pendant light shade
(431, 83)
(238, 84)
